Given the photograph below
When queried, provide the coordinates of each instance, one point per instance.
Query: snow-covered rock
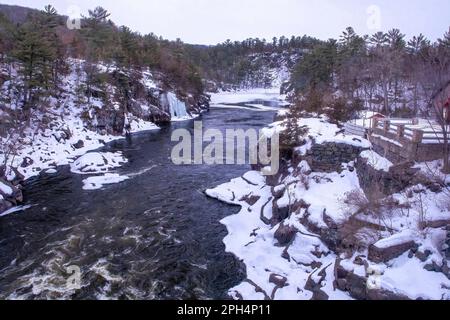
(392, 247)
(376, 161)
(95, 162)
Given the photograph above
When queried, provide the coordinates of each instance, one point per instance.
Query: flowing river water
(154, 236)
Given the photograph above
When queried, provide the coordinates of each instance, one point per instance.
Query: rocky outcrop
(379, 183)
(390, 248)
(285, 235)
(10, 191)
(279, 213)
(329, 157)
(360, 287)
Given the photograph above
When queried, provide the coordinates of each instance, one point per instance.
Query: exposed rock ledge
(298, 226)
(10, 191)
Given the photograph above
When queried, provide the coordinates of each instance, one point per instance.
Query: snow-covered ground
(252, 241)
(306, 266)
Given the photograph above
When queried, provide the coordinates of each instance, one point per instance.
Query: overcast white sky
(213, 21)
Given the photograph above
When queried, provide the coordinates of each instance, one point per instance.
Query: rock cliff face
(140, 95)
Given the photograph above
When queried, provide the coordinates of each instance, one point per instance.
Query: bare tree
(436, 84)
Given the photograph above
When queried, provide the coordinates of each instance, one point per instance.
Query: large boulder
(379, 183)
(358, 286)
(447, 244)
(278, 280)
(285, 234)
(79, 144)
(390, 248)
(10, 195)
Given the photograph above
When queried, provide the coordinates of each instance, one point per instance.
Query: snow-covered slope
(331, 243)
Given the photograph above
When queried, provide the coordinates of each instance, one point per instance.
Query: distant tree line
(240, 62)
(383, 72)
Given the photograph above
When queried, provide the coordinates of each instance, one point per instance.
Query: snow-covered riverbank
(316, 235)
(70, 124)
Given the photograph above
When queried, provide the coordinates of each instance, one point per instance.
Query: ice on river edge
(97, 182)
(249, 99)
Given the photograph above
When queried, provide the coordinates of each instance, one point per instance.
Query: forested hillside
(65, 90)
(385, 72)
(250, 63)
(44, 36)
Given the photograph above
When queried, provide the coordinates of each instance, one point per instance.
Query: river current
(154, 236)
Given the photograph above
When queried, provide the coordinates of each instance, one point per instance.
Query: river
(155, 236)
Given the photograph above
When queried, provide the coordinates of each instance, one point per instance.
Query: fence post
(417, 136)
(401, 130)
(374, 123)
(387, 125)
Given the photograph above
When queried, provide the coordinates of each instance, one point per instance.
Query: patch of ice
(98, 182)
(15, 209)
(177, 108)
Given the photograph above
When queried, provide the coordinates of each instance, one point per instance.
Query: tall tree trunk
(386, 98)
(415, 100)
(446, 161)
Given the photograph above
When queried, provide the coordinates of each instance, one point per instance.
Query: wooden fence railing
(405, 128)
(355, 130)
